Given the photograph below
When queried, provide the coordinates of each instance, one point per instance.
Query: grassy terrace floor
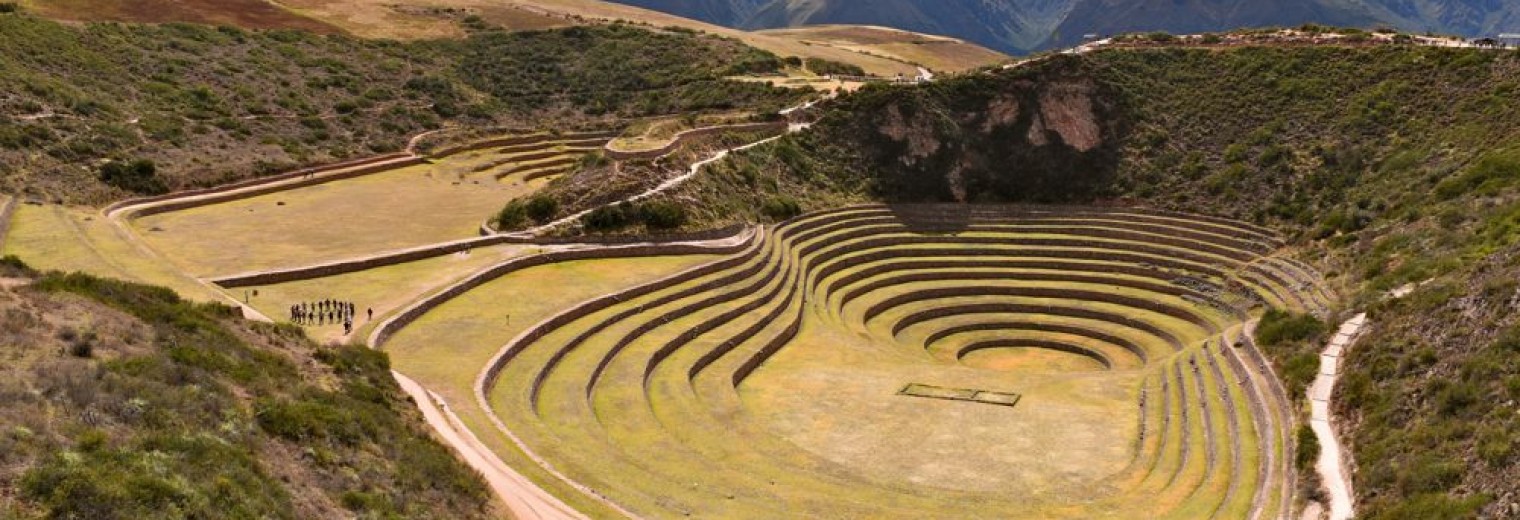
(68, 239)
(396, 209)
(654, 400)
(446, 348)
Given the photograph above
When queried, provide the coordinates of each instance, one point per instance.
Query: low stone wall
(1095, 355)
(517, 140)
(1126, 344)
(1039, 292)
(417, 310)
(770, 349)
(1024, 308)
(315, 170)
(432, 251)
(684, 137)
(207, 200)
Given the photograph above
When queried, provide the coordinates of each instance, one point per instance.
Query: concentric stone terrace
(775, 383)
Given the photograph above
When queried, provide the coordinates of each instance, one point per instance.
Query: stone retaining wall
(522, 140)
(436, 250)
(315, 170)
(1126, 344)
(417, 310)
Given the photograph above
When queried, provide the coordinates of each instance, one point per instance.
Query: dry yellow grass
(446, 348)
(401, 20)
(383, 289)
(70, 239)
(938, 53)
(406, 207)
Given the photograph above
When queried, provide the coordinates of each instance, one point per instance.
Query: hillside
(1387, 166)
(211, 105)
(123, 401)
(1022, 27)
(430, 19)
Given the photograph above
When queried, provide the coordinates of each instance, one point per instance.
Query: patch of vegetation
(654, 216)
(617, 69)
(824, 67)
(1390, 165)
(139, 176)
(211, 105)
(185, 410)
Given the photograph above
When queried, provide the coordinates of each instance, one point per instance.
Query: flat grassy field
(49, 237)
(835, 394)
(384, 289)
(397, 209)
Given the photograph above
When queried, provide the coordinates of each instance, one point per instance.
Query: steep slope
(211, 105)
(123, 401)
(1387, 165)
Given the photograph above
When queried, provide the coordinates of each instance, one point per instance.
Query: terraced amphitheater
(934, 361)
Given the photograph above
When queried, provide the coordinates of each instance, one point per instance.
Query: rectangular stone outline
(1008, 399)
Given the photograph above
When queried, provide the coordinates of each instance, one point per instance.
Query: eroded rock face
(919, 134)
(1067, 108)
(1002, 111)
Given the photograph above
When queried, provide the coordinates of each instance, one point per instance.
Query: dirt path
(1332, 465)
(524, 499)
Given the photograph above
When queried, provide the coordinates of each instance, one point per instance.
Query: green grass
(396, 209)
(446, 348)
(808, 429)
(197, 413)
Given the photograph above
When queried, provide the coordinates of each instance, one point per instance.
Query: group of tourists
(327, 311)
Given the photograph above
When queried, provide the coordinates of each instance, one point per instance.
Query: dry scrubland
(877, 50)
(766, 383)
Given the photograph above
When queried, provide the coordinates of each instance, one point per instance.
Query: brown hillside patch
(1067, 108)
(252, 14)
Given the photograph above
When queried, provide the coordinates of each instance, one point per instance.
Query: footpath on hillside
(1333, 464)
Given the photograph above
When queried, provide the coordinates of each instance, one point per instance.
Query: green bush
(1280, 327)
(138, 176)
(825, 67)
(781, 208)
(1307, 452)
(1430, 506)
(541, 208)
(611, 217)
(9, 7)
(663, 215)
(512, 216)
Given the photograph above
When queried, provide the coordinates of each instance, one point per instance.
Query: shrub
(1281, 327)
(825, 67)
(608, 218)
(1308, 448)
(663, 215)
(781, 208)
(9, 7)
(138, 176)
(541, 208)
(512, 216)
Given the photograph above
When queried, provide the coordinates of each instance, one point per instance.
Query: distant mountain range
(1020, 26)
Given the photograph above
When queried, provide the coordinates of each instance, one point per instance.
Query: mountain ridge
(1022, 27)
